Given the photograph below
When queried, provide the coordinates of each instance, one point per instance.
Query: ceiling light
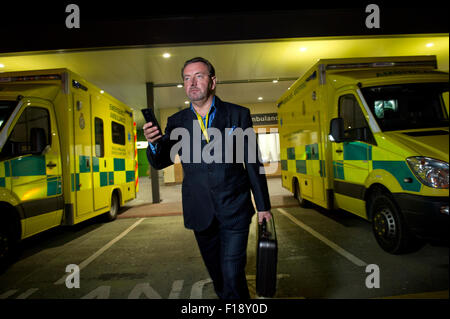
(2, 65)
(179, 85)
(186, 102)
(101, 91)
(166, 55)
(303, 49)
(260, 98)
(429, 45)
(275, 81)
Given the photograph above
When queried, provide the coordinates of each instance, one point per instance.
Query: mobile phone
(149, 116)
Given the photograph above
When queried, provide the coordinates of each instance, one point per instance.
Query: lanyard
(206, 123)
(202, 125)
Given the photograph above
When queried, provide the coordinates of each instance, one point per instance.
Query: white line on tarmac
(27, 293)
(326, 241)
(8, 293)
(101, 250)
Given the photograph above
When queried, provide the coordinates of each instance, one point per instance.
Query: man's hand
(151, 132)
(264, 214)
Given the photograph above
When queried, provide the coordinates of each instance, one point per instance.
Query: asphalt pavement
(148, 254)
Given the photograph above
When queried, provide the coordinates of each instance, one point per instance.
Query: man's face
(197, 82)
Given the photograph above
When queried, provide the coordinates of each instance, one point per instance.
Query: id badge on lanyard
(202, 125)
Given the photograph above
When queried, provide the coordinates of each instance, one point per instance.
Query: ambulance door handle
(51, 165)
(339, 151)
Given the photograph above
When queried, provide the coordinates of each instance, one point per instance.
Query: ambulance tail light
(429, 171)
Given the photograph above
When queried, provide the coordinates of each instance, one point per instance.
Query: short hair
(211, 70)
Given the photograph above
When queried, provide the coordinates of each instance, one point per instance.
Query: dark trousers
(224, 253)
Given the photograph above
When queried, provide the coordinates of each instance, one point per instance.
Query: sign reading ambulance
(371, 136)
(67, 153)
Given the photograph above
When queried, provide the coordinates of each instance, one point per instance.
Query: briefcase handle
(264, 227)
(265, 233)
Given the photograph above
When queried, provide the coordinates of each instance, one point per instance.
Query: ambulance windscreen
(408, 106)
(6, 108)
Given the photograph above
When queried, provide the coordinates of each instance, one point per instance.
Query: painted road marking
(355, 260)
(27, 293)
(100, 251)
(8, 294)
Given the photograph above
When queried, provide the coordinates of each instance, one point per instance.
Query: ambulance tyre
(9, 240)
(388, 225)
(301, 201)
(115, 205)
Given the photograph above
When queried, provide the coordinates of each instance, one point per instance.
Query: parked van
(67, 153)
(371, 136)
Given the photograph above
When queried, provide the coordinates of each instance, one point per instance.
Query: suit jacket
(216, 186)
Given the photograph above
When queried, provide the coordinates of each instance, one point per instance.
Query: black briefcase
(266, 259)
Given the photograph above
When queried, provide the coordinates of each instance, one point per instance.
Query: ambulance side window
(355, 124)
(31, 132)
(99, 138)
(118, 133)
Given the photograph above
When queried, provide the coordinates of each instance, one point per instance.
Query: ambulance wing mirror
(337, 130)
(38, 140)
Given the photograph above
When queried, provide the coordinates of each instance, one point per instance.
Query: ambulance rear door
(83, 179)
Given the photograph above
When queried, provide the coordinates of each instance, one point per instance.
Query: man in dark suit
(218, 175)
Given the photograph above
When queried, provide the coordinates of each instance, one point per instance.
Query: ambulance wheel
(8, 242)
(5, 245)
(388, 225)
(115, 205)
(301, 201)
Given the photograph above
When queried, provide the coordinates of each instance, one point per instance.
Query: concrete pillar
(153, 172)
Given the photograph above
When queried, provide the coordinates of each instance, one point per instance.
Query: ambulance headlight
(429, 171)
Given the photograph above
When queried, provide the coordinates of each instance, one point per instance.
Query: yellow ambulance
(370, 136)
(67, 153)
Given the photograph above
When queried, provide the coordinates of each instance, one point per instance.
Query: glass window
(6, 108)
(99, 138)
(269, 147)
(408, 106)
(33, 125)
(355, 124)
(389, 106)
(118, 133)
